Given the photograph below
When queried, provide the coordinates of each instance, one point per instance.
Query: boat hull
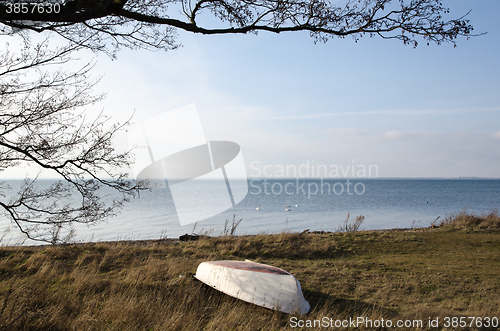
(256, 283)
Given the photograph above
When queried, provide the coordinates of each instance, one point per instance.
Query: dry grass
(419, 274)
(351, 226)
(465, 220)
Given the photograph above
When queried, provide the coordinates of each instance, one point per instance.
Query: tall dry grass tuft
(351, 226)
(466, 220)
(230, 229)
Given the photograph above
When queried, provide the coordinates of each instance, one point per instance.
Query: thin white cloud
(393, 134)
(400, 112)
(396, 135)
(344, 131)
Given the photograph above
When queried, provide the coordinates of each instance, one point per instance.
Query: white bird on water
(258, 208)
(287, 208)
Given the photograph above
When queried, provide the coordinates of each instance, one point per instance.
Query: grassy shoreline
(447, 270)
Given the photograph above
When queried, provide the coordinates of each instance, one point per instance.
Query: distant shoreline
(148, 242)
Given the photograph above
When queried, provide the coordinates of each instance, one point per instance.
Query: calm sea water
(314, 205)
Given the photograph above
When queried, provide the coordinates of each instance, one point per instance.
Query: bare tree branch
(152, 24)
(39, 125)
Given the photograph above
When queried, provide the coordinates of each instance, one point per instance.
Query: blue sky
(430, 111)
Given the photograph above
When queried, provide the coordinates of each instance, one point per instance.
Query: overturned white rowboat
(256, 283)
